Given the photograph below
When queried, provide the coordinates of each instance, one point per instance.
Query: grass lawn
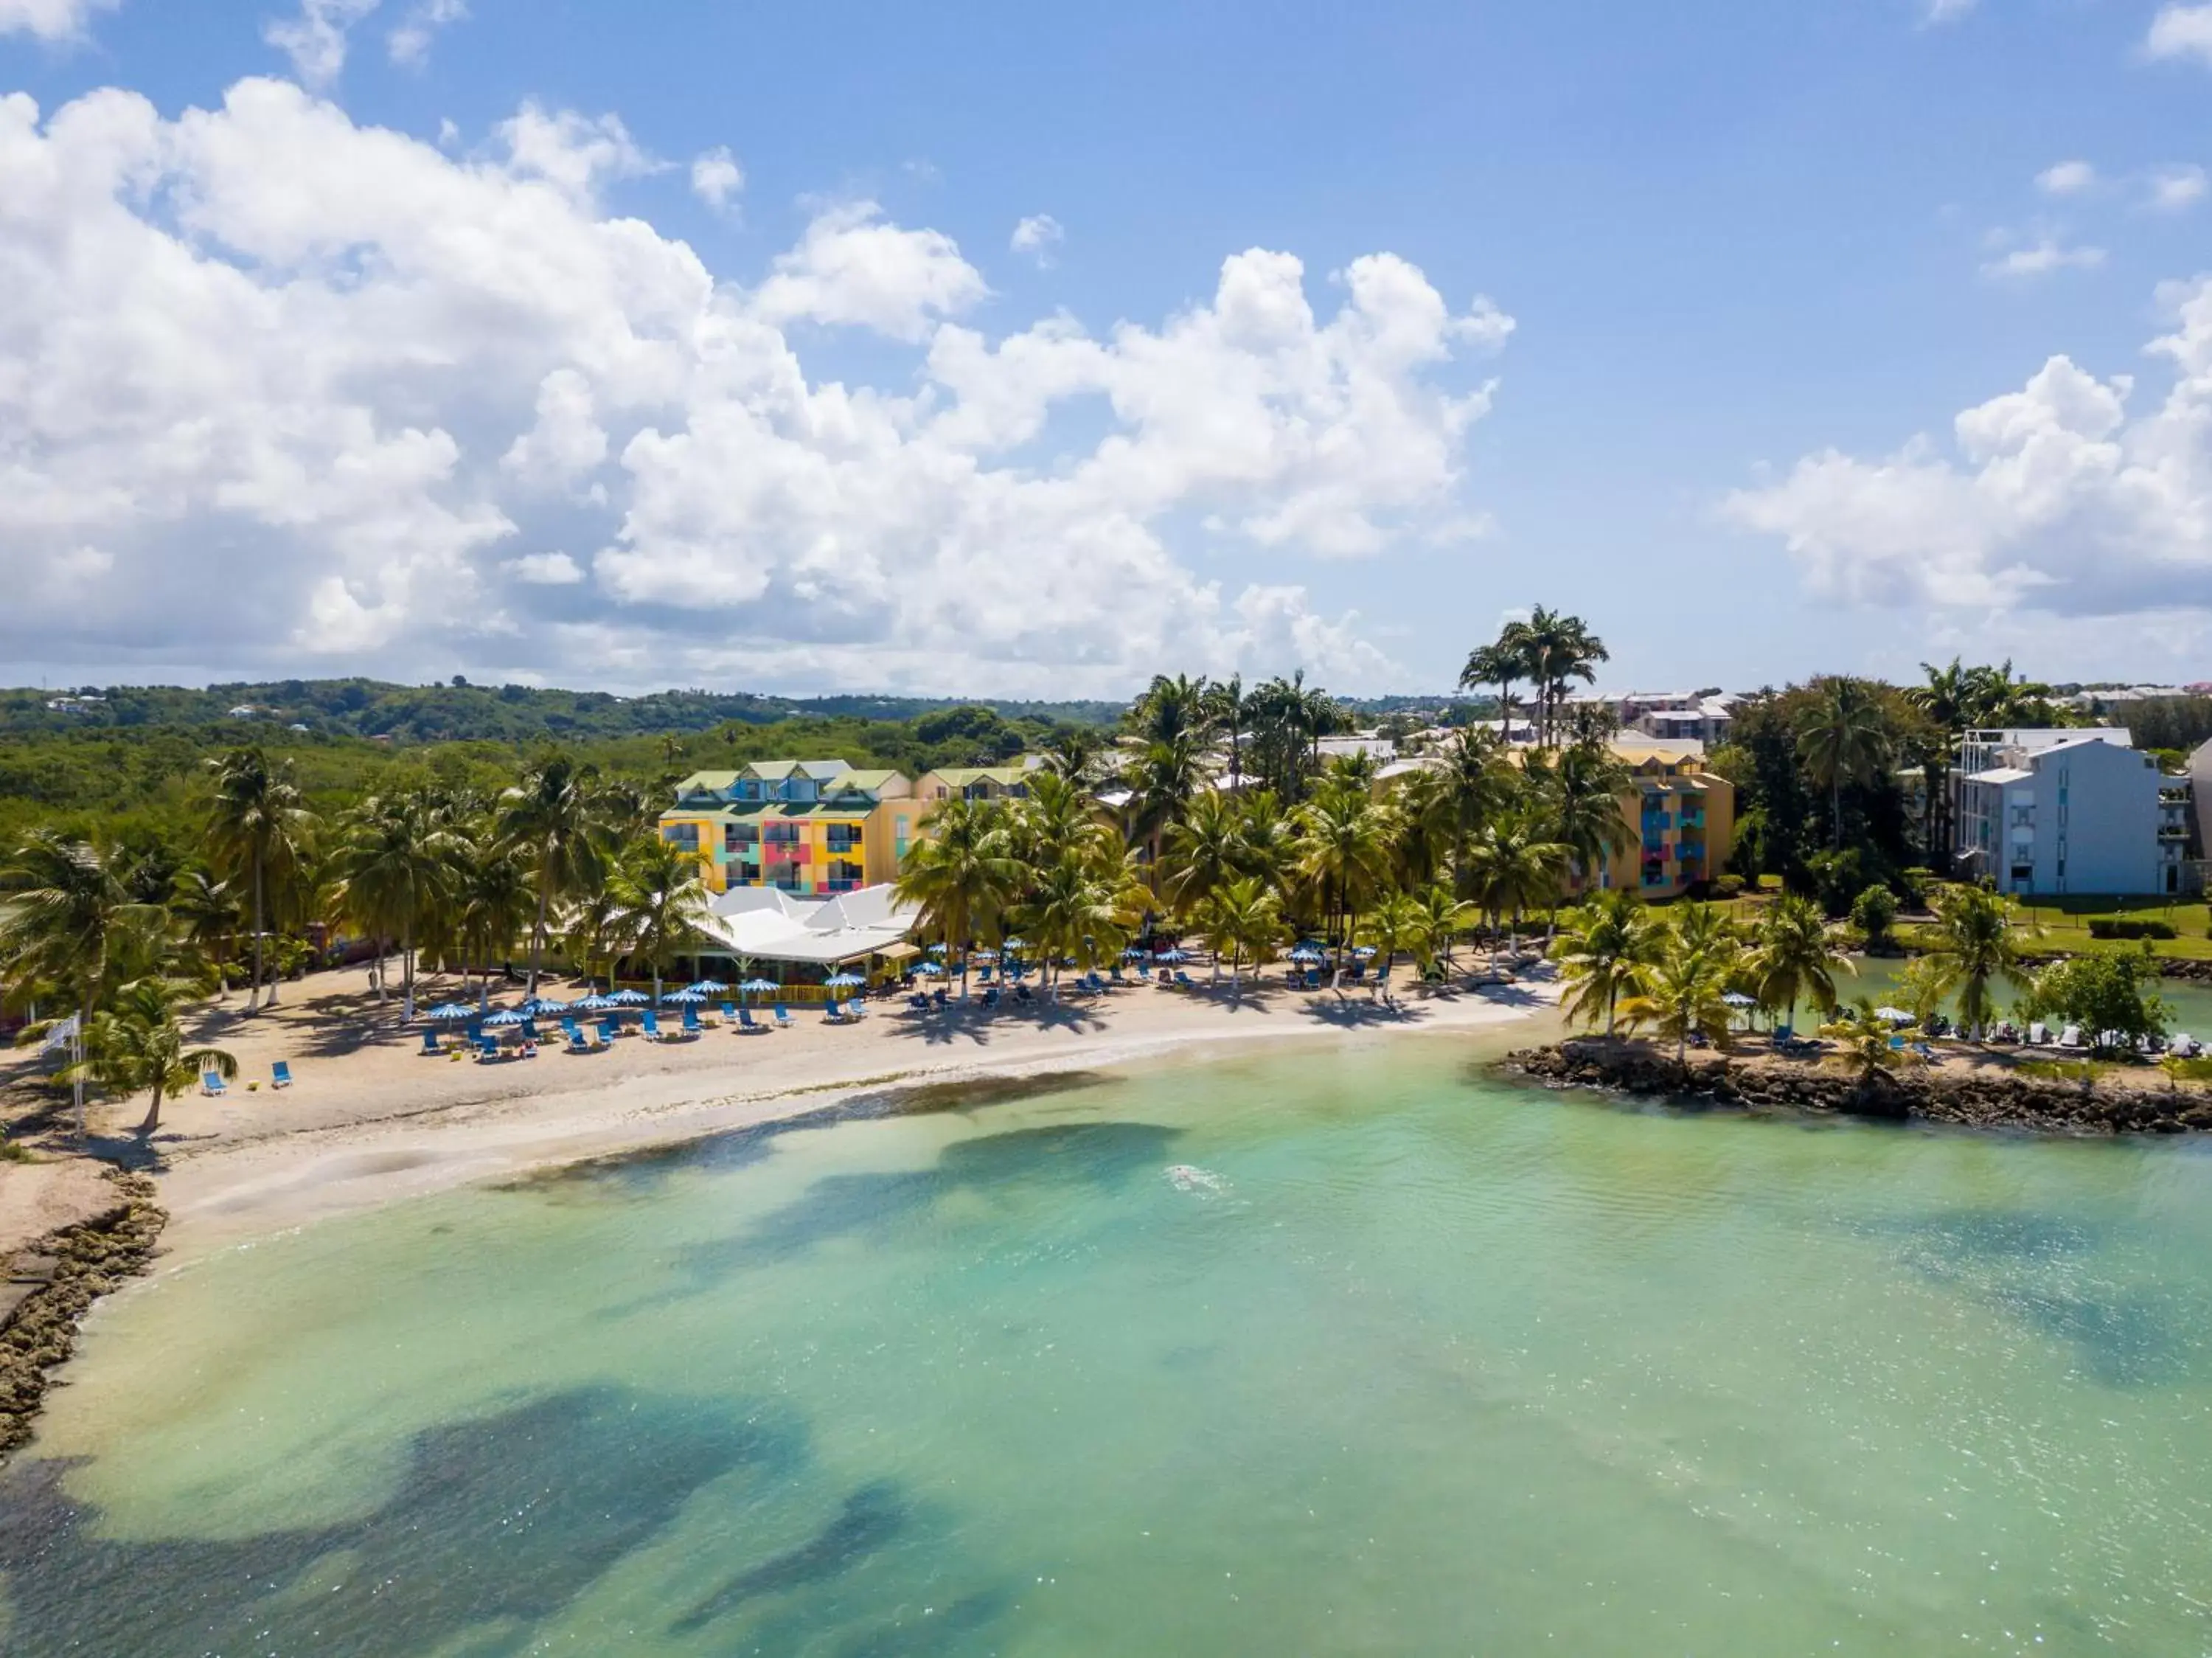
(2061, 924)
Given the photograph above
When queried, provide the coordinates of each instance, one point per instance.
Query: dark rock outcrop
(66, 1272)
(1988, 1099)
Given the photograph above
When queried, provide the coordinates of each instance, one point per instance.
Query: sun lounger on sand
(212, 1085)
(280, 1075)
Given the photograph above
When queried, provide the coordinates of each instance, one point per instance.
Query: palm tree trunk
(153, 1120)
(537, 931)
(407, 973)
(253, 1000)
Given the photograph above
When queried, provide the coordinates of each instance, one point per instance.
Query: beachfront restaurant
(801, 942)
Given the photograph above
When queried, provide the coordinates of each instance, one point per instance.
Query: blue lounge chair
(212, 1084)
(1183, 979)
(854, 1011)
(919, 1003)
(983, 975)
(1926, 1052)
(991, 996)
(487, 1049)
(729, 1013)
(782, 1016)
(529, 1031)
(747, 1023)
(652, 1026)
(430, 1045)
(691, 1025)
(943, 998)
(833, 1013)
(1021, 993)
(577, 1042)
(280, 1075)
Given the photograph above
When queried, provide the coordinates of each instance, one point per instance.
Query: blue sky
(1750, 253)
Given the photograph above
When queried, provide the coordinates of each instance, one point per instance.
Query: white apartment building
(2050, 812)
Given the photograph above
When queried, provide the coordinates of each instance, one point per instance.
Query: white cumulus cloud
(317, 39)
(2042, 257)
(1036, 237)
(346, 379)
(410, 43)
(716, 178)
(2175, 189)
(50, 20)
(2181, 31)
(2063, 498)
(544, 569)
(2067, 178)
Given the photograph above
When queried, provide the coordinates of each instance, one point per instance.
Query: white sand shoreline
(235, 1185)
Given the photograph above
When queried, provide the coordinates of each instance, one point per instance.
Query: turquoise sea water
(1338, 1351)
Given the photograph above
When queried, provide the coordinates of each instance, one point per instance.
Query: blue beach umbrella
(843, 981)
(690, 996)
(511, 1017)
(1169, 954)
(708, 987)
(589, 1004)
(451, 1013)
(929, 970)
(538, 1005)
(760, 986)
(1017, 944)
(1306, 953)
(630, 998)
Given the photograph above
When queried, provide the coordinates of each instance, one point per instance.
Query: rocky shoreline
(51, 1285)
(1991, 1098)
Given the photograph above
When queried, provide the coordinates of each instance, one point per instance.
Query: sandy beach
(370, 1120)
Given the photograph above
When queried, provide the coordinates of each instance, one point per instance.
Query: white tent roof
(770, 926)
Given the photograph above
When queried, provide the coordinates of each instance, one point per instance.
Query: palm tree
(208, 914)
(1498, 664)
(1074, 752)
(1794, 956)
(1867, 1042)
(1945, 701)
(1163, 776)
(552, 820)
(1203, 850)
(1682, 994)
(1170, 708)
(1086, 908)
(1268, 841)
(1393, 925)
(1345, 853)
(1602, 950)
(1973, 948)
(1553, 649)
(492, 902)
(658, 904)
(138, 1044)
(1512, 869)
(1843, 736)
(1228, 711)
(1243, 919)
(1582, 799)
(259, 825)
(393, 867)
(961, 876)
(68, 921)
(1444, 917)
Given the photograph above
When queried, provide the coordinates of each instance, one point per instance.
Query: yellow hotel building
(813, 828)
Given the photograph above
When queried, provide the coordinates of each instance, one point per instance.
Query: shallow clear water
(1340, 1351)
